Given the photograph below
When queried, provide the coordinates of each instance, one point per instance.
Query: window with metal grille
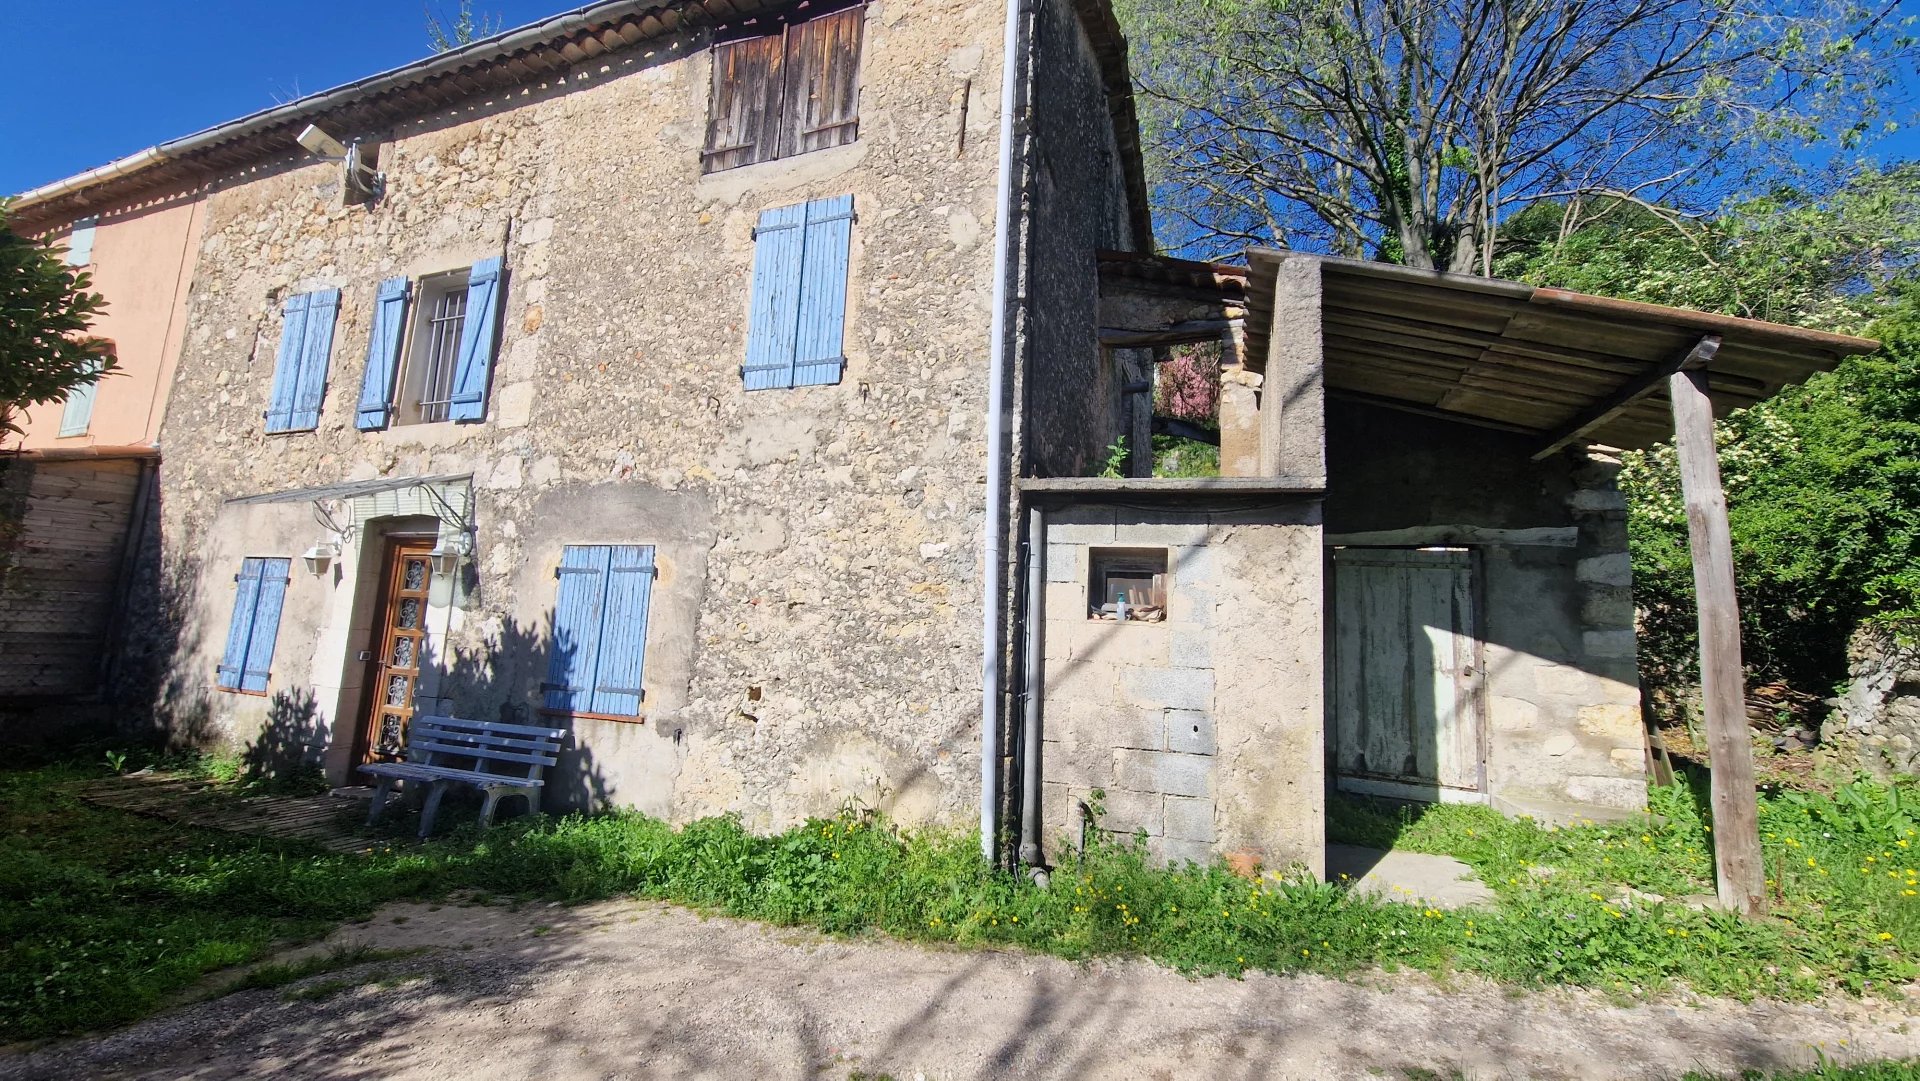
(784, 93)
(425, 387)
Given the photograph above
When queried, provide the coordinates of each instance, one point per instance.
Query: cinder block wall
(1203, 731)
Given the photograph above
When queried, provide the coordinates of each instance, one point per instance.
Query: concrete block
(1596, 499)
(1147, 530)
(1164, 771)
(1175, 688)
(1512, 714)
(1562, 679)
(1080, 525)
(1129, 812)
(1079, 763)
(1194, 565)
(1607, 608)
(1191, 604)
(1188, 819)
(1066, 602)
(1086, 681)
(1143, 644)
(1618, 643)
(1189, 646)
(1627, 793)
(1065, 564)
(1174, 853)
(1613, 569)
(1189, 731)
(1617, 724)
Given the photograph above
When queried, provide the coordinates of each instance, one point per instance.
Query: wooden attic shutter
(822, 106)
(743, 115)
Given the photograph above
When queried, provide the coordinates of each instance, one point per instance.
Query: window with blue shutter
(77, 415)
(260, 593)
(797, 319)
(383, 354)
(479, 336)
(300, 366)
(80, 242)
(597, 658)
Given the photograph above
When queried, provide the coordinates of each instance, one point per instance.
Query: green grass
(1900, 1070)
(105, 916)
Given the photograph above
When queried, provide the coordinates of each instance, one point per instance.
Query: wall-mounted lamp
(448, 555)
(361, 179)
(318, 558)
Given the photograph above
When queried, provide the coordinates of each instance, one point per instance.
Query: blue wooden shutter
(233, 660)
(265, 633)
(77, 414)
(80, 242)
(383, 354)
(477, 335)
(316, 353)
(818, 355)
(286, 363)
(623, 631)
(773, 320)
(578, 604)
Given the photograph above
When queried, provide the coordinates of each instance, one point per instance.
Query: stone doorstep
(1412, 877)
(1546, 812)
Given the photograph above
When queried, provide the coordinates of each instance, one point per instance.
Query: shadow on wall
(502, 677)
(156, 697)
(292, 741)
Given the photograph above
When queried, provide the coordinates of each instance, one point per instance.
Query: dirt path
(625, 990)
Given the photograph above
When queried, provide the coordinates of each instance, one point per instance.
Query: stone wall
(1560, 690)
(819, 542)
(1204, 730)
(1073, 405)
(1875, 723)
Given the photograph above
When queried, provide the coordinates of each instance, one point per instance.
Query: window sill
(575, 715)
(249, 694)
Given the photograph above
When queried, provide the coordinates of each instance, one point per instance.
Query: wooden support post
(1740, 874)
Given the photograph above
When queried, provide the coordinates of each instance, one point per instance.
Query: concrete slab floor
(1413, 877)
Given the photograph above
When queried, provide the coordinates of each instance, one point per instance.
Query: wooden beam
(1633, 390)
(1739, 871)
(1193, 330)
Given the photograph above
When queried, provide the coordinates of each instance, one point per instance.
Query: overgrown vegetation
(1823, 481)
(46, 309)
(104, 916)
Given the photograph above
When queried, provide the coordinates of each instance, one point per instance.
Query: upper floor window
(785, 93)
(80, 242)
(439, 369)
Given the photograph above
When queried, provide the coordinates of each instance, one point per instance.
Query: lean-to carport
(1561, 368)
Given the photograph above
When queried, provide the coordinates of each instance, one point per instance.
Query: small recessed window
(787, 92)
(1127, 584)
(426, 385)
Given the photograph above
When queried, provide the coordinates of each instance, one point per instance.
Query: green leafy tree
(464, 28)
(1413, 129)
(45, 311)
(1823, 480)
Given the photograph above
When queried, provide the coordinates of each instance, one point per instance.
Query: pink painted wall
(142, 263)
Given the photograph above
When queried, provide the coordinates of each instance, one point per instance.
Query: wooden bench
(444, 751)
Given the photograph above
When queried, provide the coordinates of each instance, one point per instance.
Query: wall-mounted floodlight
(361, 179)
(320, 144)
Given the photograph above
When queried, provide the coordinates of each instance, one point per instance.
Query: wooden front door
(1405, 714)
(399, 640)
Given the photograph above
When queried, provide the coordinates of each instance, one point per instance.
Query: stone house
(726, 381)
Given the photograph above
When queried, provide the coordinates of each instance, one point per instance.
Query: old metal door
(399, 640)
(1406, 719)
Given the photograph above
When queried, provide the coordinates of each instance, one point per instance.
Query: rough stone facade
(1204, 730)
(1875, 723)
(818, 637)
(1561, 690)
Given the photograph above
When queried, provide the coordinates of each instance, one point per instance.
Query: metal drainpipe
(992, 593)
(1034, 632)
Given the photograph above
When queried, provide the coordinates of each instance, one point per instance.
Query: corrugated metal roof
(1508, 355)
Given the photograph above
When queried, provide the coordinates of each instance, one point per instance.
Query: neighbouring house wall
(1204, 731)
(1073, 407)
(63, 530)
(142, 264)
(1561, 688)
(815, 630)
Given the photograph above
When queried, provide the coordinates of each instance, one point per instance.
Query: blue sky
(99, 79)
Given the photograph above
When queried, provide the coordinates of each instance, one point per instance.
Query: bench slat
(509, 743)
(407, 771)
(494, 726)
(437, 747)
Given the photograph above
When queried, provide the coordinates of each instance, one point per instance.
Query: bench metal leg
(486, 807)
(380, 793)
(432, 808)
(533, 801)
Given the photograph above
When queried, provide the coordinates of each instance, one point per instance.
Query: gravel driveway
(631, 990)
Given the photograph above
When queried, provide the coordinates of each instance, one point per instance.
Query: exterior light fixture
(318, 558)
(447, 555)
(361, 178)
